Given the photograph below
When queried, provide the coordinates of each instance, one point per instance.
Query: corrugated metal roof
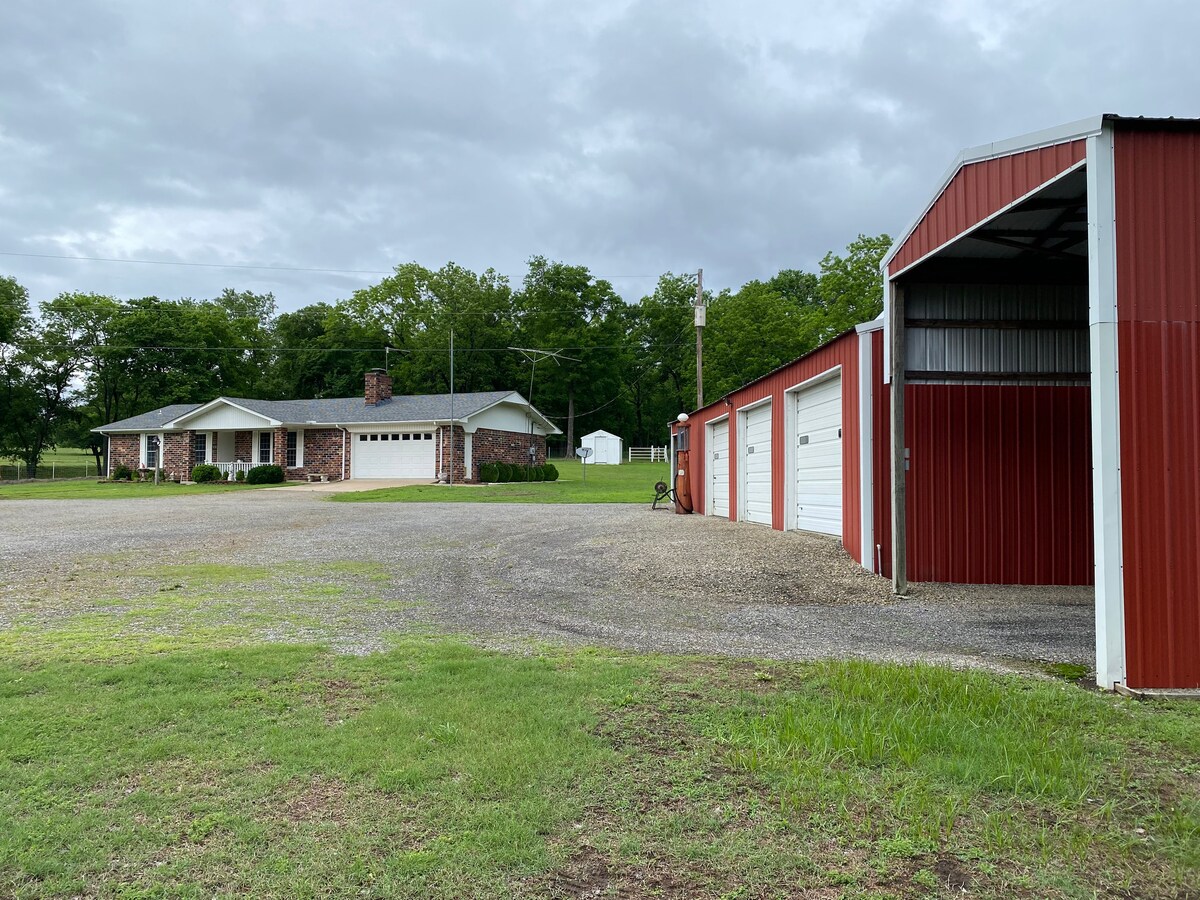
(338, 410)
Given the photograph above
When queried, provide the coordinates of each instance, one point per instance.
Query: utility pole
(700, 316)
(451, 406)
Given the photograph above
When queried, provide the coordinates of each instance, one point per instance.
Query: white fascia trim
(1106, 413)
(789, 440)
(1035, 140)
(1004, 209)
(875, 324)
(756, 403)
(866, 456)
(175, 423)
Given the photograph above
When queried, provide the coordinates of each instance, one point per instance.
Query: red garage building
(1026, 410)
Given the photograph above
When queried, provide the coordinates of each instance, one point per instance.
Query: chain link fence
(48, 471)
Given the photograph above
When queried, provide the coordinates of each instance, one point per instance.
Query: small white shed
(606, 448)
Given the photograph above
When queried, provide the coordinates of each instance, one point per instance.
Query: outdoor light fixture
(682, 417)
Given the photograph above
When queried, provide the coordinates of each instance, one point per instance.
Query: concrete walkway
(350, 485)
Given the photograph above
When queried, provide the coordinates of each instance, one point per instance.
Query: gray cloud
(633, 137)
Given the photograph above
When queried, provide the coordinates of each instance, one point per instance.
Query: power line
(199, 265)
(208, 265)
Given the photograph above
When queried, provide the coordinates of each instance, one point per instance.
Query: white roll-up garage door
(819, 457)
(718, 469)
(392, 454)
(756, 465)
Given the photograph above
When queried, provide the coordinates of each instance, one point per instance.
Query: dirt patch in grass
(320, 799)
(589, 873)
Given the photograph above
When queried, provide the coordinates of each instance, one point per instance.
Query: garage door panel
(756, 465)
(719, 469)
(818, 474)
(394, 455)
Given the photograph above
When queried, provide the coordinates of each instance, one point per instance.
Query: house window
(395, 437)
(291, 449)
(264, 447)
(383, 437)
(152, 445)
(429, 436)
(200, 447)
(362, 437)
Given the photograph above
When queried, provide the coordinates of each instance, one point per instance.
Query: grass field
(153, 745)
(63, 462)
(626, 483)
(83, 489)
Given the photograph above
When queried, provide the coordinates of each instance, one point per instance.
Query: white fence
(232, 468)
(653, 454)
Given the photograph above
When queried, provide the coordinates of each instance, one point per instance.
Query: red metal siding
(844, 352)
(1158, 310)
(999, 485)
(979, 190)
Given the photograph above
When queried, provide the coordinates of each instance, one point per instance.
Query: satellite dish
(583, 452)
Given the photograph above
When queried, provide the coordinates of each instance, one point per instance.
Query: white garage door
(391, 454)
(718, 469)
(756, 465)
(819, 457)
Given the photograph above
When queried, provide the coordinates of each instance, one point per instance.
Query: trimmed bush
(265, 475)
(206, 472)
(537, 473)
(489, 472)
(122, 473)
(240, 477)
(503, 472)
(550, 471)
(519, 473)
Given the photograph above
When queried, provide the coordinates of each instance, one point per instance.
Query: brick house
(374, 436)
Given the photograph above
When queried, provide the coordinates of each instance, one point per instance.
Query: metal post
(700, 317)
(451, 406)
(53, 468)
(899, 454)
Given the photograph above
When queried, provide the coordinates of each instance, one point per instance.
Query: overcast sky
(631, 137)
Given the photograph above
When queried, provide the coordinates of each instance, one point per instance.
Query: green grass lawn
(154, 745)
(83, 489)
(626, 483)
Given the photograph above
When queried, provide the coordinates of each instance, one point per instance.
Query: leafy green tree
(659, 362)
(562, 307)
(851, 286)
(321, 352)
(417, 308)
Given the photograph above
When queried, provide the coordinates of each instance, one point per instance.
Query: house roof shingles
(333, 411)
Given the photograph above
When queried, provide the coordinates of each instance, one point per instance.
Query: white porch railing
(232, 468)
(654, 454)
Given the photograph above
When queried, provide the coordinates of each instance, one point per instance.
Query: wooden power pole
(700, 316)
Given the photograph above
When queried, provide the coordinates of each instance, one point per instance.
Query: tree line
(81, 360)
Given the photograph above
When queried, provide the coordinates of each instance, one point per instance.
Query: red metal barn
(1027, 409)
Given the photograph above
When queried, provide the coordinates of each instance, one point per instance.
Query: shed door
(391, 454)
(819, 457)
(756, 465)
(718, 469)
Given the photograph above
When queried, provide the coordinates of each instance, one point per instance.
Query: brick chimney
(379, 387)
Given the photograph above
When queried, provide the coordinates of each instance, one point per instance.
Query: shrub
(241, 476)
(550, 471)
(537, 473)
(503, 472)
(519, 473)
(265, 475)
(122, 473)
(489, 472)
(205, 472)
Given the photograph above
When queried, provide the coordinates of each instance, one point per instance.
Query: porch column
(899, 460)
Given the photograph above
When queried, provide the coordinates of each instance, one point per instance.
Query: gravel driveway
(622, 576)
